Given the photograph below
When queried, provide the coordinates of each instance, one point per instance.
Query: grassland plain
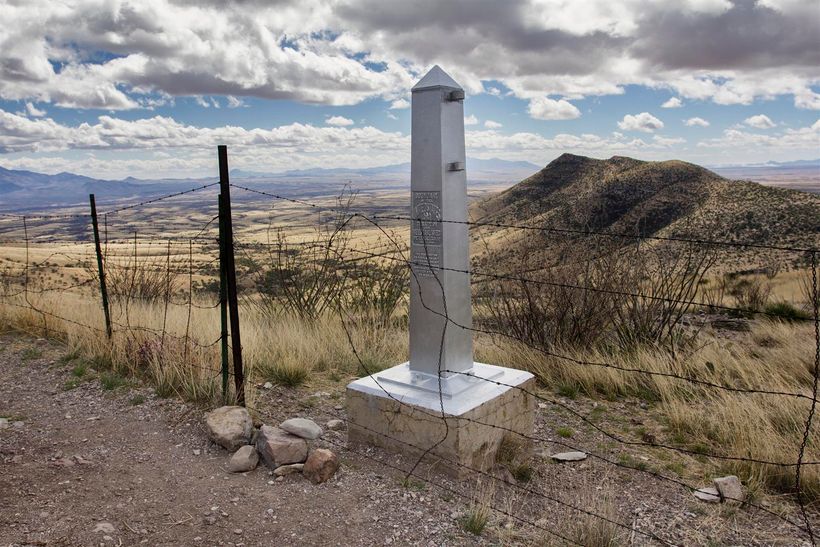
(299, 334)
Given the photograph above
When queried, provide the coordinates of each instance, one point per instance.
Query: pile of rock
(285, 449)
(725, 490)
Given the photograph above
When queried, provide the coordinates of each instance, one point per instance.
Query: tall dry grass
(284, 349)
(774, 356)
(289, 349)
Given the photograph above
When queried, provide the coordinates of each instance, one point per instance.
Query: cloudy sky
(147, 88)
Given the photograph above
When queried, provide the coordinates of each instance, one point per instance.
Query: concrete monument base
(400, 410)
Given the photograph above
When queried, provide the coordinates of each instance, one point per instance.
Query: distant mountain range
(28, 190)
(795, 163)
(476, 169)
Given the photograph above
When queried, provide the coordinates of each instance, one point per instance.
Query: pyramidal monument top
(436, 77)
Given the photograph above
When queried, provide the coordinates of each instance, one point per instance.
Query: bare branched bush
(751, 293)
(554, 308)
(10, 277)
(148, 279)
(714, 292)
(375, 288)
(306, 277)
(665, 282)
(616, 295)
(807, 292)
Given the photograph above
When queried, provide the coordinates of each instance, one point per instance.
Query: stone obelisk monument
(404, 408)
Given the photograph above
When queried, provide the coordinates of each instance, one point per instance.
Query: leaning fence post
(230, 269)
(223, 300)
(100, 267)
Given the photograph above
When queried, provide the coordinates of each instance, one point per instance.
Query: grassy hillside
(668, 198)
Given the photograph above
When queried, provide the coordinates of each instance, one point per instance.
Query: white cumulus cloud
(490, 124)
(760, 121)
(692, 122)
(339, 121)
(346, 52)
(673, 102)
(470, 120)
(400, 104)
(34, 112)
(544, 108)
(644, 121)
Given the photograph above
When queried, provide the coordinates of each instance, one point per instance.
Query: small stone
(321, 464)
(730, 489)
(708, 494)
(209, 520)
(244, 459)
(302, 427)
(237, 531)
(4, 423)
(104, 528)
(229, 426)
(18, 424)
(197, 452)
(108, 538)
(289, 469)
(268, 385)
(335, 425)
(278, 447)
(569, 456)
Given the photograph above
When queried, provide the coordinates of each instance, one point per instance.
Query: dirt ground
(85, 462)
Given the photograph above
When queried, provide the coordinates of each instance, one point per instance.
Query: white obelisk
(405, 408)
(440, 303)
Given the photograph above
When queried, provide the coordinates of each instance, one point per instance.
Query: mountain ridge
(652, 198)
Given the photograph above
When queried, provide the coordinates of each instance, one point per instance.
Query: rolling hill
(667, 198)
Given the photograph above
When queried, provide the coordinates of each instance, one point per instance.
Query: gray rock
(335, 425)
(320, 465)
(569, 456)
(229, 427)
(104, 528)
(244, 459)
(730, 489)
(4, 423)
(289, 469)
(278, 447)
(708, 494)
(302, 427)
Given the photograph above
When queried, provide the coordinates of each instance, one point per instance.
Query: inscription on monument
(426, 218)
(426, 232)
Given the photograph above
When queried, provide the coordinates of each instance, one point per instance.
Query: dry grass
(285, 349)
(289, 350)
(774, 356)
(593, 531)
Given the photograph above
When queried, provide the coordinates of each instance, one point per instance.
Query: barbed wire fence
(145, 268)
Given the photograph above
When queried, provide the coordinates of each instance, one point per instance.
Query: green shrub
(786, 310)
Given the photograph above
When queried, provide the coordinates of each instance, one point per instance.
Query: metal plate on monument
(426, 232)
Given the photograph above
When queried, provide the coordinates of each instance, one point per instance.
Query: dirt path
(86, 458)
